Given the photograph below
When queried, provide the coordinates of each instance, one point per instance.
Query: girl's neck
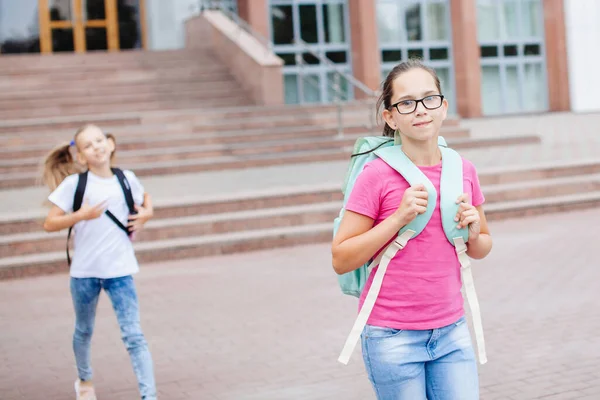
(103, 171)
(422, 153)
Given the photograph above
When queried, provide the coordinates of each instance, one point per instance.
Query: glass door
(78, 25)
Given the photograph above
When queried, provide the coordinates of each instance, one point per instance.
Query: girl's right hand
(414, 202)
(87, 212)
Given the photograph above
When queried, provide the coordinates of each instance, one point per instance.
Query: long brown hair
(387, 92)
(60, 162)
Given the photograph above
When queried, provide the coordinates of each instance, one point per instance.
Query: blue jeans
(122, 294)
(437, 364)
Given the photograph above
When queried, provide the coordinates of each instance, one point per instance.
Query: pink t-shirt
(421, 287)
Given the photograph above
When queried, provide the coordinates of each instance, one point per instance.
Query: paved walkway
(269, 325)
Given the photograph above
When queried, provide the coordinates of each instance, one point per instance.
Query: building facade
(493, 57)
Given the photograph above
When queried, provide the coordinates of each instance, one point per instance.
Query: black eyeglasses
(409, 106)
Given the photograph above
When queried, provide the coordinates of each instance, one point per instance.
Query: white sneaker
(84, 392)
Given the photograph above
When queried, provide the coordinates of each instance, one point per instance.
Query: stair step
(196, 162)
(282, 197)
(233, 242)
(45, 263)
(178, 227)
(526, 208)
(158, 87)
(130, 107)
(261, 213)
(170, 149)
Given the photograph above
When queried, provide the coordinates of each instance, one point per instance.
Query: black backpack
(78, 201)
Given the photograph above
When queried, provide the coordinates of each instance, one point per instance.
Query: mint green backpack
(352, 283)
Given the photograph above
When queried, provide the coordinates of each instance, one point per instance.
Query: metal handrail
(339, 94)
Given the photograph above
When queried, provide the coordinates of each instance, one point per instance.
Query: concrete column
(467, 67)
(556, 52)
(366, 57)
(257, 14)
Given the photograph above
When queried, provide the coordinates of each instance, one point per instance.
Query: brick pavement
(269, 325)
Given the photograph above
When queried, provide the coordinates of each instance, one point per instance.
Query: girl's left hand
(137, 221)
(468, 215)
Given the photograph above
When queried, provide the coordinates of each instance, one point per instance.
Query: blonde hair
(60, 162)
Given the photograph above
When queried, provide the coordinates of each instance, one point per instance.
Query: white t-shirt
(101, 249)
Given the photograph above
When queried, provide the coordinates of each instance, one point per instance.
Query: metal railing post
(338, 104)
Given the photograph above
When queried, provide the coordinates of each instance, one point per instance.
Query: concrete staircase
(33, 86)
(181, 120)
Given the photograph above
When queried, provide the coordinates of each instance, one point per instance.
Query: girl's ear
(387, 117)
(445, 107)
(111, 143)
(81, 159)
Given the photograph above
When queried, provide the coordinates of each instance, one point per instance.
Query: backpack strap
(77, 202)
(80, 191)
(383, 260)
(394, 157)
(451, 186)
(128, 199)
(126, 189)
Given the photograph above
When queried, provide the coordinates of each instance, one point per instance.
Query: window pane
(438, 54)
(415, 53)
(62, 40)
(309, 58)
(342, 87)
(391, 56)
(510, 19)
(487, 20)
(388, 26)
(60, 10)
(444, 75)
(532, 50)
(531, 18)
(510, 50)
(437, 27)
(130, 24)
(490, 90)
(489, 51)
(93, 9)
(512, 89)
(412, 17)
(338, 57)
(534, 93)
(290, 86)
(283, 24)
(311, 84)
(19, 26)
(308, 23)
(288, 58)
(333, 19)
(96, 39)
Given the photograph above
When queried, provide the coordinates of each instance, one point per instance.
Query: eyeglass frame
(395, 105)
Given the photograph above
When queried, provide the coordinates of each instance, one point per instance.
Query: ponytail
(59, 164)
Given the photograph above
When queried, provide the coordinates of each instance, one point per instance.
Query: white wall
(582, 21)
(165, 21)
